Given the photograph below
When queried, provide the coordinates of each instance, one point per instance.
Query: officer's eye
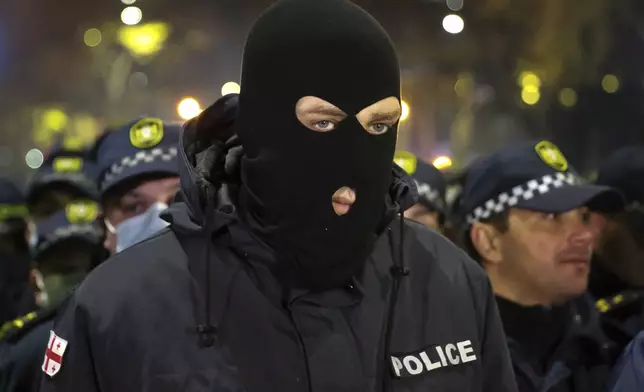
(378, 129)
(324, 126)
(550, 216)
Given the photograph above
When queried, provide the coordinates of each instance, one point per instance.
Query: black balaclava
(335, 51)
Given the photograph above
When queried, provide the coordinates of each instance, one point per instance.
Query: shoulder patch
(54, 354)
(407, 161)
(606, 305)
(551, 155)
(146, 133)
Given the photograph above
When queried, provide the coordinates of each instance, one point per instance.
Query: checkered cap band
(525, 191)
(141, 157)
(430, 194)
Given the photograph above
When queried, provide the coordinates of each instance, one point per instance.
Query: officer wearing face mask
(431, 185)
(138, 179)
(528, 223)
(289, 266)
(68, 246)
(617, 277)
(16, 296)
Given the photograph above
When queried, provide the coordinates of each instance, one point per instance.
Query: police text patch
(435, 357)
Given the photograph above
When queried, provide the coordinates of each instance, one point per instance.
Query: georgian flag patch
(54, 354)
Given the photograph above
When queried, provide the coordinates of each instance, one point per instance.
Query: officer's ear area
(486, 239)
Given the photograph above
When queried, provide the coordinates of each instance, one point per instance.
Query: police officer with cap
(69, 245)
(65, 176)
(617, 278)
(16, 296)
(528, 215)
(431, 185)
(138, 178)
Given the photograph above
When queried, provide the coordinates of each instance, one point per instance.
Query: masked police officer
(528, 216)
(69, 245)
(138, 179)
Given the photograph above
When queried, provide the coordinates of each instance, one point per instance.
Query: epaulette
(10, 327)
(14, 330)
(618, 301)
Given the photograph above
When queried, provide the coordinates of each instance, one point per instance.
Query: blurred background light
(34, 158)
(442, 162)
(453, 24)
(92, 37)
(610, 84)
(530, 95)
(568, 97)
(128, 2)
(454, 5)
(144, 40)
(405, 111)
(527, 78)
(230, 88)
(188, 108)
(131, 15)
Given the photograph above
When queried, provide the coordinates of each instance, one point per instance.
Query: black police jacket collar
(209, 155)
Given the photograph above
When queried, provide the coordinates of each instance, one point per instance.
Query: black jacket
(22, 350)
(197, 308)
(577, 358)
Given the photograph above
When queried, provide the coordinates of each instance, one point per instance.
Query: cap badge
(146, 133)
(81, 212)
(551, 155)
(68, 164)
(406, 160)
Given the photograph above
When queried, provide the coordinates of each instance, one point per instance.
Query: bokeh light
(188, 108)
(34, 158)
(530, 95)
(610, 84)
(454, 5)
(405, 111)
(442, 162)
(128, 2)
(568, 97)
(131, 15)
(527, 78)
(453, 24)
(92, 37)
(230, 88)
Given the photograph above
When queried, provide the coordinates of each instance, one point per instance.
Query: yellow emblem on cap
(84, 211)
(406, 160)
(13, 211)
(551, 155)
(146, 133)
(68, 164)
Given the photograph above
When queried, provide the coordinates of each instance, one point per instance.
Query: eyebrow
(326, 110)
(382, 116)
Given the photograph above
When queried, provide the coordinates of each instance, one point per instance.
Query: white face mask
(136, 229)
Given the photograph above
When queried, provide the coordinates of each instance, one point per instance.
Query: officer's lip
(580, 261)
(343, 199)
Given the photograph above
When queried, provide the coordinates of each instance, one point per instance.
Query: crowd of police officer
(564, 256)
(80, 207)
